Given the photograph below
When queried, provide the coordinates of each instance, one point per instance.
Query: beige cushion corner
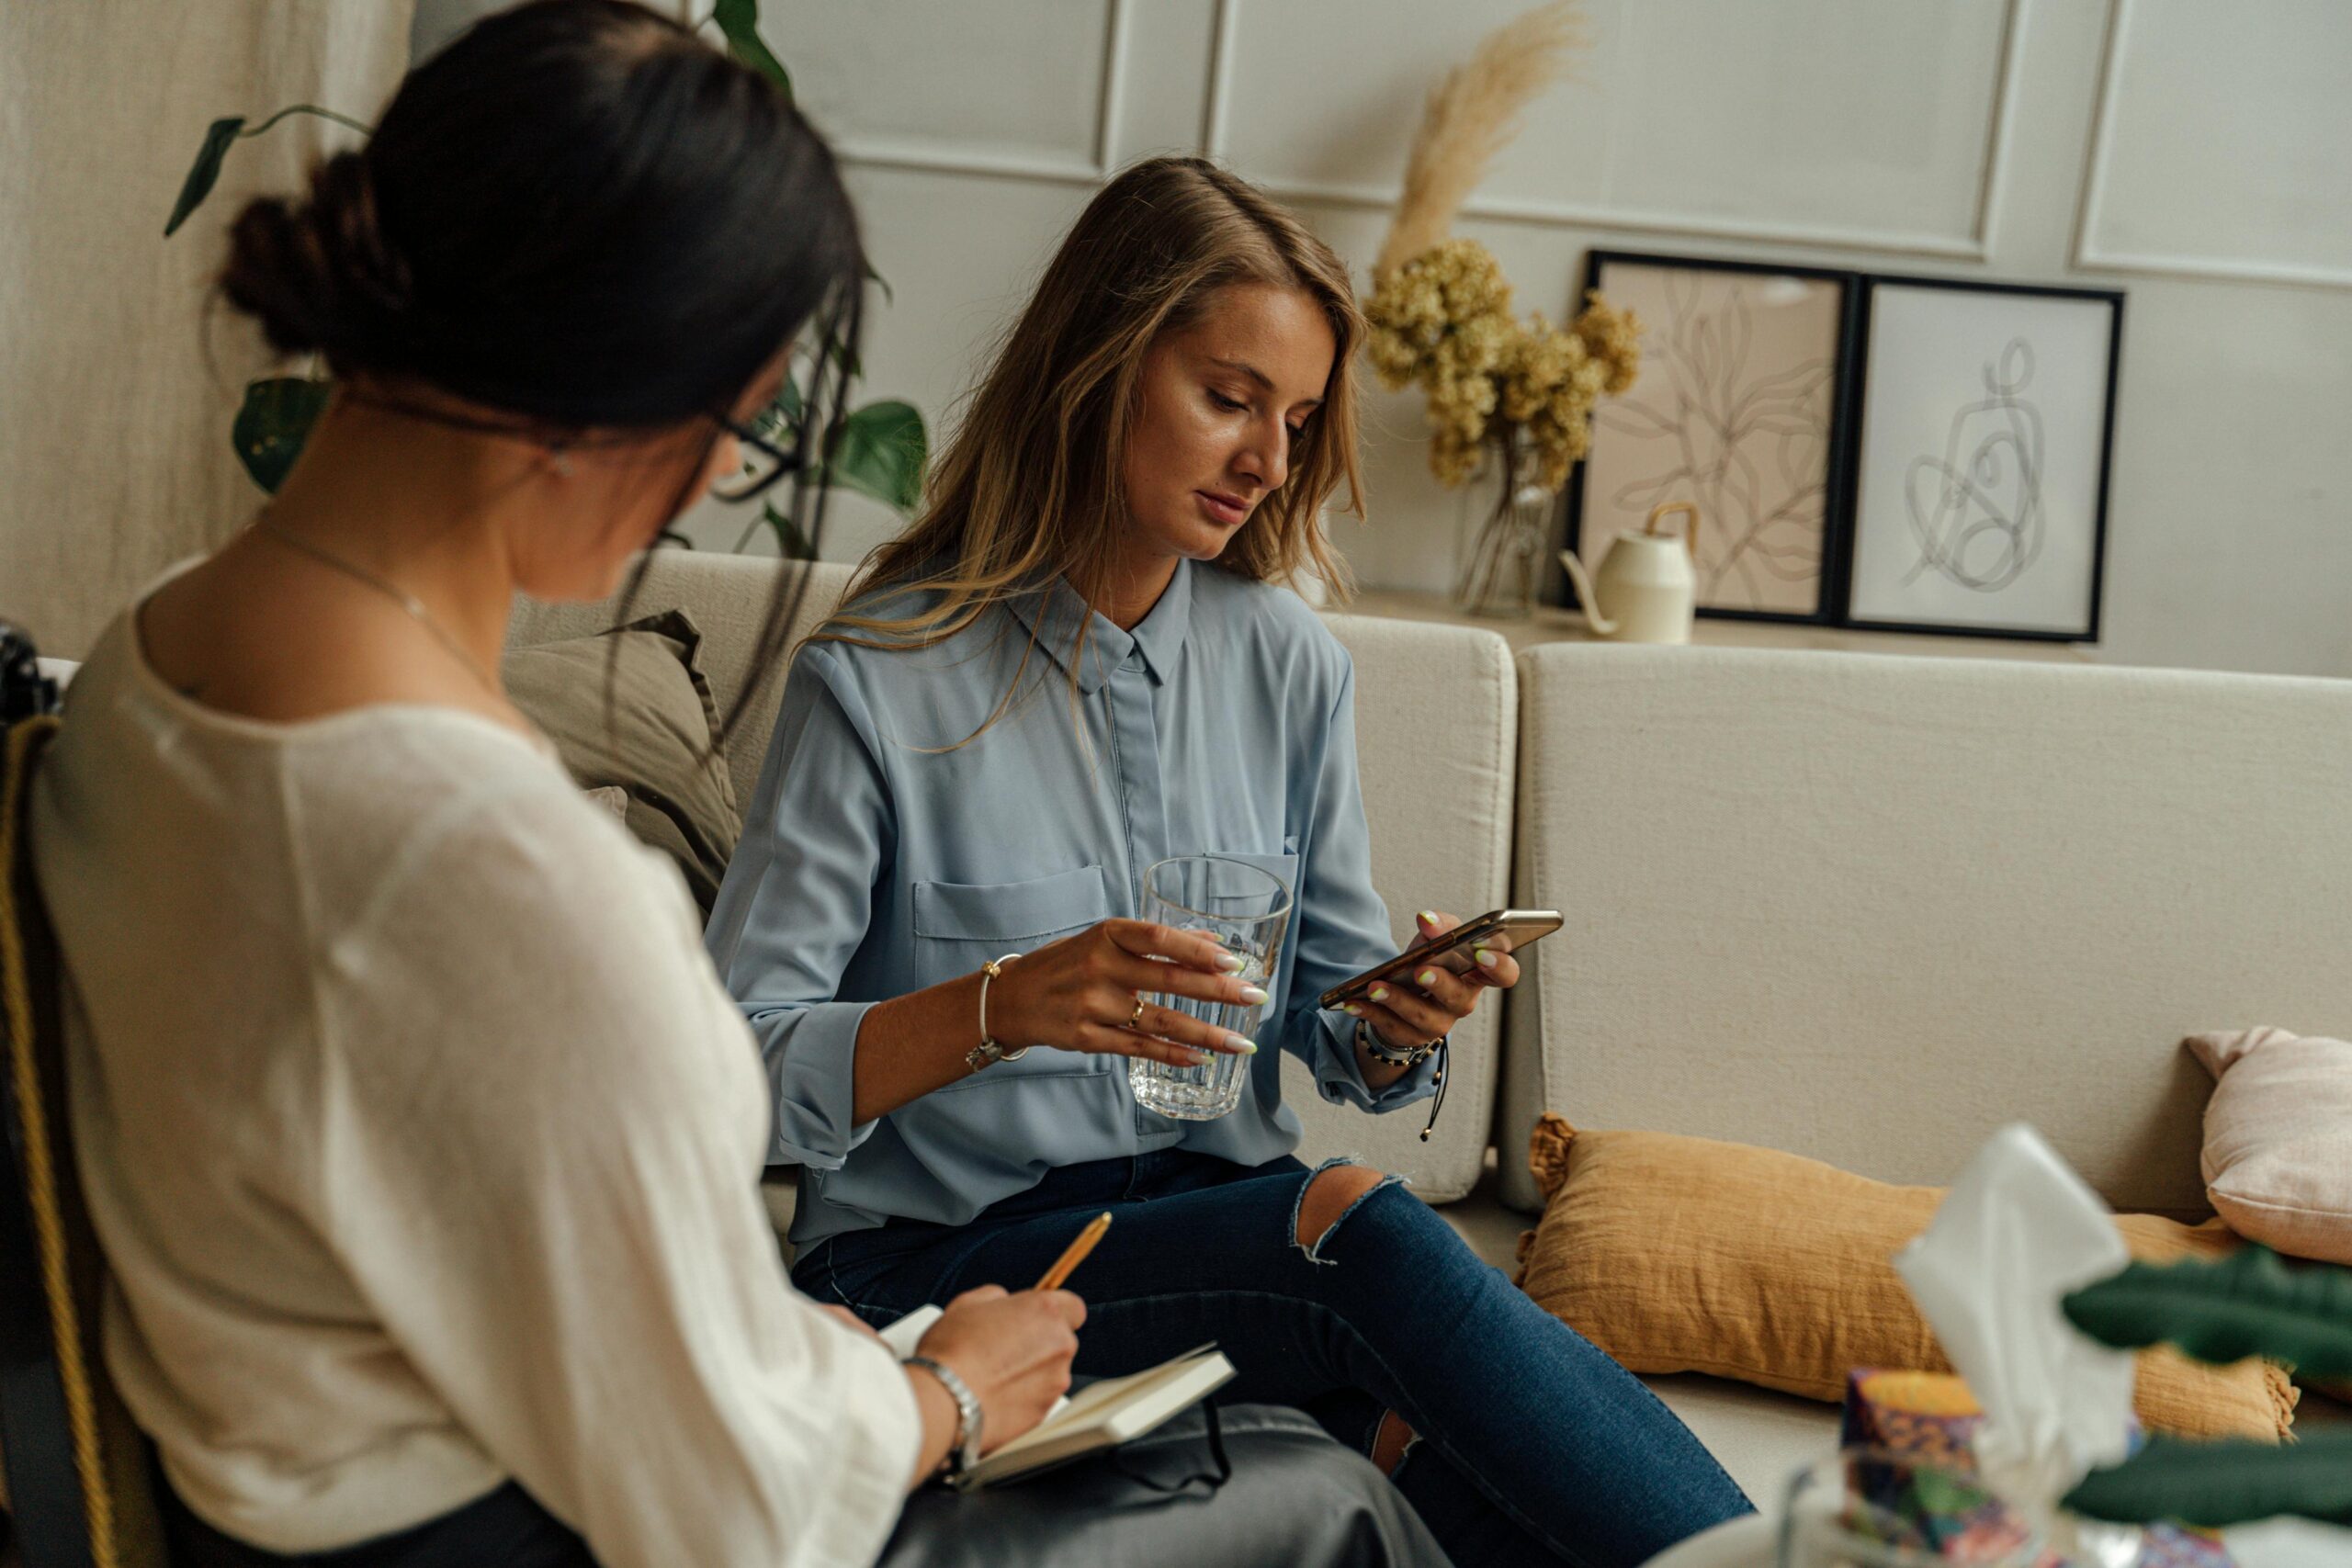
(1677, 1254)
(2278, 1159)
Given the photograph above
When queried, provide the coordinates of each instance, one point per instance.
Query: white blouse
(424, 1145)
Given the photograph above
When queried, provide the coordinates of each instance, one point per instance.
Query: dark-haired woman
(419, 1134)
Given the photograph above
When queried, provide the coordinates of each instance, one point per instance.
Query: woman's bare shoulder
(242, 634)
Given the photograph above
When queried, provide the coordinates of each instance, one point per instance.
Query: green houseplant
(2251, 1304)
(880, 450)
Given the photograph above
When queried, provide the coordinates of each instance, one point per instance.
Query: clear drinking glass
(1866, 1508)
(1246, 908)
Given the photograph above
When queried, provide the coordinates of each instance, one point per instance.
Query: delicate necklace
(401, 596)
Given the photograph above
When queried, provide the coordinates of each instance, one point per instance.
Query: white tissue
(2019, 1231)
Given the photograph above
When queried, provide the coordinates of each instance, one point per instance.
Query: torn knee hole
(1329, 1194)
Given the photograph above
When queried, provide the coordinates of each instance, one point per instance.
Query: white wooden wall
(2199, 155)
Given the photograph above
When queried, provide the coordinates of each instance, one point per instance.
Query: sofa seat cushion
(1759, 1436)
(1678, 1254)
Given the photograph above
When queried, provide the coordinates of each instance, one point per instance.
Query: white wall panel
(2224, 142)
(1004, 88)
(1834, 121)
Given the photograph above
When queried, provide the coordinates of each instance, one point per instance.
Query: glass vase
(1505, 524)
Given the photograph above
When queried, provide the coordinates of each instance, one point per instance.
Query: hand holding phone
(1501, 931)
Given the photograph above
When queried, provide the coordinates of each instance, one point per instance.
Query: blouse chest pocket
(1004, 917)
(958, 926)
(1285, 867)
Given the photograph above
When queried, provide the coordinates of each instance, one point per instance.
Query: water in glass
(1245, 909)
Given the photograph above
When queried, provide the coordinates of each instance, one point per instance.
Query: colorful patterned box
(1932, 1417)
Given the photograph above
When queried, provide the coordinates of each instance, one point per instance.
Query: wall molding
(2086, 256)
(1976, 247)
(930, 155)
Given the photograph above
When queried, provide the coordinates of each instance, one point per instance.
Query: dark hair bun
(577, 213)
(318, 274)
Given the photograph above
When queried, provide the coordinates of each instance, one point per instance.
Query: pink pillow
(2278, 1160)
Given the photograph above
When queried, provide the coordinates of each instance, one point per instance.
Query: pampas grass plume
(1472, 115)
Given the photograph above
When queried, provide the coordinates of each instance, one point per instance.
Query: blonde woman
(1078, 662)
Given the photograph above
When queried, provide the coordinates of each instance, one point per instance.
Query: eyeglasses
(764, 462)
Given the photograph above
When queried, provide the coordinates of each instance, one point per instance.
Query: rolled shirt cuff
(811, 1056)
(1339, 1078)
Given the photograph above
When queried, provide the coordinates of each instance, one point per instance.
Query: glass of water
(1247, 910)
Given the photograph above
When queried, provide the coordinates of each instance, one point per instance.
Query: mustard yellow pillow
(1685, 1254)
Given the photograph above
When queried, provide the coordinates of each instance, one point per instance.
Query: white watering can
(1646, 587)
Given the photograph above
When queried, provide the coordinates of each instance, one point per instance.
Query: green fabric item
(654, 741)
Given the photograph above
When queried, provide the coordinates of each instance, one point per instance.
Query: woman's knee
(1331, 1193)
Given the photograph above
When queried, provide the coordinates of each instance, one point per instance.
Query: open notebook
(1100, 1416)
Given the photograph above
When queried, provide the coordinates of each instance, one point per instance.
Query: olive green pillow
(654, 741)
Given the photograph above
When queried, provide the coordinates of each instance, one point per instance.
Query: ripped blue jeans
(1532, 1446)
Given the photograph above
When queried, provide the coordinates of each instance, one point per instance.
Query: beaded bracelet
(1379, 1051)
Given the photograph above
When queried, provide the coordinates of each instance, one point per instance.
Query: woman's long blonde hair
(1031, 488)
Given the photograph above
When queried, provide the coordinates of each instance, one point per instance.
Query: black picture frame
(1858, 527)
(1836, 459)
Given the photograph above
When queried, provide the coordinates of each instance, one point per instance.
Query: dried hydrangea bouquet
(1509, 401)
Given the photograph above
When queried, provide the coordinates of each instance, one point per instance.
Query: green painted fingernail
(1380, 993)
(1231, 962)
(1240, 1047)
(1426, 978)
(1352, 1010)
(1486, 958)
(1428, 917)
(1254, 996)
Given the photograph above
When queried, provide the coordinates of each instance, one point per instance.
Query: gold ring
(1134, 1020)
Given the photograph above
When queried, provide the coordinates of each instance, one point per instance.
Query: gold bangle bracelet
(987, 1051)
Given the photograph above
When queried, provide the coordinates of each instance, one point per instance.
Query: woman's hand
(1407, 1017)
(1013, 1350)
(1080, 994)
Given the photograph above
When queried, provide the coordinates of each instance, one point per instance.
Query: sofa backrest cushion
(1437, 719)
(1437, 727)
(1867, 908)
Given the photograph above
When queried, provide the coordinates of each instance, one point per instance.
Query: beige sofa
(1864, 909)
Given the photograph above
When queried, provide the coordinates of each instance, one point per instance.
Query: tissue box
(1926, 1416)
(1932, 1417)
(1923, 1496)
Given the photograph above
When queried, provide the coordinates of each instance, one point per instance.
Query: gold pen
(1075, 1253)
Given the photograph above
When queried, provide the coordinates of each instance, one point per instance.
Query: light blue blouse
(879, 857)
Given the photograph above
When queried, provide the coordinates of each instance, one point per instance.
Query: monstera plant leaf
(274, 422)
(2231, 1482)
(2252, 1303)
(881, 452)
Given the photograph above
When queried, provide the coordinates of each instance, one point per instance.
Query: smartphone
(1505, 930)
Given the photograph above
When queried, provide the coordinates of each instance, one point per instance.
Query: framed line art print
(1740, 410)
(1982, 454)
